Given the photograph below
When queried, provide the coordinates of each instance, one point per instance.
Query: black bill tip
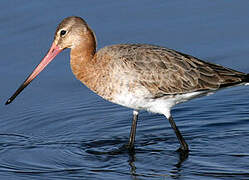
(8, 102)
(18, 91)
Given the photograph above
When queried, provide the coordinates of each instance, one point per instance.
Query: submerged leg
(133, 131)
(184, 145)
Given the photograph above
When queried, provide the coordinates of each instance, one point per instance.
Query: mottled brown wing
(165, 71)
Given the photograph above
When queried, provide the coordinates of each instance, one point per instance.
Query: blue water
(58, 129)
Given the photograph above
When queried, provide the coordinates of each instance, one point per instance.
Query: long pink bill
(54, 50)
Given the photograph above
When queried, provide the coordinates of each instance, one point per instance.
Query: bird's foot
(128, 147)
(183, 150)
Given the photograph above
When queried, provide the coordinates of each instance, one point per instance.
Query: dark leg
(133, 131)
(184, 145)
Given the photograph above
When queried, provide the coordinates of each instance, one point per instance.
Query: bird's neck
(82, 60)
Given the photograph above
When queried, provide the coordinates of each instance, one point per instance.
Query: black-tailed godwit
(138, 76)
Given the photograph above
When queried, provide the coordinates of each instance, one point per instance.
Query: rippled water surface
(58, 129)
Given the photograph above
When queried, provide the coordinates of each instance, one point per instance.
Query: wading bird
(138, 76)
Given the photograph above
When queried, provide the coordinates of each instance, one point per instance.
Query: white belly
(144, 101)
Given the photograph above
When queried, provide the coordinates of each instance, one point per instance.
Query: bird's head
(73, 32)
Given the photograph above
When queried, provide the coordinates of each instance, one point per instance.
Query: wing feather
(166, 71)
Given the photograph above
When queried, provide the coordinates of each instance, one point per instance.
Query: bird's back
(164, 71)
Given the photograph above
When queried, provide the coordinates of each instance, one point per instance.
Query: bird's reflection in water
(175, 172)
(132, 159)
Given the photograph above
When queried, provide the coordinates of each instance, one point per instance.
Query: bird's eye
(63, 32)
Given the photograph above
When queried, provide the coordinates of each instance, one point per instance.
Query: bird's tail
(246, 80)
(234, 78)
